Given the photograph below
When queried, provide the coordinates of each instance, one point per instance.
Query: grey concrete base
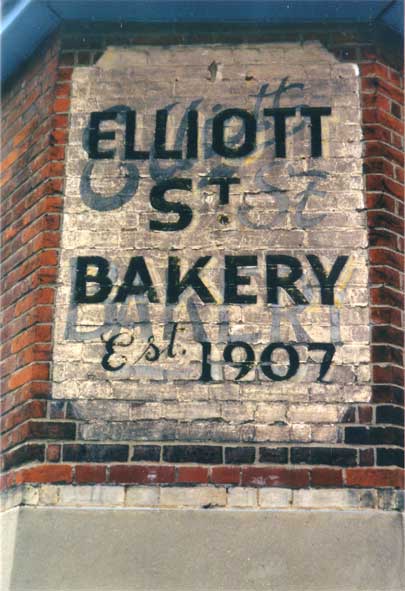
(60, 549)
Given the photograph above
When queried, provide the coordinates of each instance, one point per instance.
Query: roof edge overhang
(30, 22)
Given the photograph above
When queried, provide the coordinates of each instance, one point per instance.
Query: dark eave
(26, 23)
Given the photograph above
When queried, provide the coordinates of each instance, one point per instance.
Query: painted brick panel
(197, 325)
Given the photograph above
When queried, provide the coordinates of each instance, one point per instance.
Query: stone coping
(201, 497)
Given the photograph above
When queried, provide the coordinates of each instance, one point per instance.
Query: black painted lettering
(224, 183)
(266, 362)
(175, 286)
(137, 269)
(327, 282)
(218, 133)
(233, 280)
(280, 115)
(244, 366)
(80, 295)
(95, 135)
(160, 138)
(274, 281)
(192, 134)
(329, 350)
(315, 114)
(111, 354)
(158, 202)
(130, 135)
(205, 362)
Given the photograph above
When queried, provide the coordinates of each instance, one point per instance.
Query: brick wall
(382, 99)
(33, 136)
(39, 433)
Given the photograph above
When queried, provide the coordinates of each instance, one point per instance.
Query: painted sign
(214, 235)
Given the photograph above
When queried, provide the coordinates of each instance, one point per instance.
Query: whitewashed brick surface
(164, 399)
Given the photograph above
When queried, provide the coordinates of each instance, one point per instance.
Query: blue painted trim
(25, 27)
(30, 21)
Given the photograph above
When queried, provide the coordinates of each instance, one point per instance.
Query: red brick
(388, 374)
(7, 480)
(365, 414)
(383, 150)
(374, 69)
(382, 238)
(296, 478)
(385, 296)
(2, 482)
(192, 474)
(225, 475)
(57, 153)
(397, 140)
(385, 275)
(90, 474)
(369, 116)
(36, 371)
(38, 429)
(374, 477)
(56, 473)
(61, 105)
(60, 122)
(125, 474)
(376, 132)
(383, 256)
(36, 334)
(25, 132)
(38, 260)
(53, 453)
(395, 77)
(24, 393)
(394, 188)
(44, 295)
(399, 174)
(39, 314)
(43, 223)
(52, 169)
(387, 334)
(390, 121)
(62, 90)
(378, 165)
(385, 220)
(59, 136)
(366, 457)
(13, 156)
(5, 178)
(64, 74)
(33, 409)
(380, 201)
(385, 86)
(379, 182)
(326, 477)
(387, 354)
(8, 365)
(38, 352)
(386, 315)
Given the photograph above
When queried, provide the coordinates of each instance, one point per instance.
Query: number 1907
(232, 352)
